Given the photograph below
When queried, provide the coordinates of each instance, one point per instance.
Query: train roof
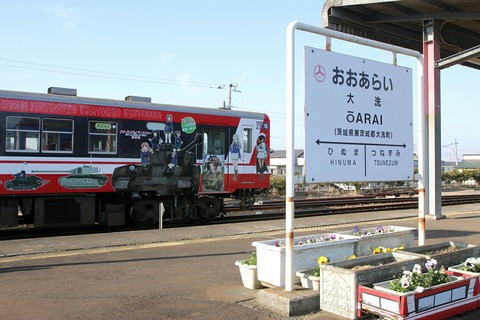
(141, 104)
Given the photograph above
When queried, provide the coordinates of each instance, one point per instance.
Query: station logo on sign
(358, 119)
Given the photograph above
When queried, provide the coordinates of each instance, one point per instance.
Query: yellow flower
(386, 250)
(322, 260)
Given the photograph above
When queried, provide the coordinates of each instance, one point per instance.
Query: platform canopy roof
(400, 22)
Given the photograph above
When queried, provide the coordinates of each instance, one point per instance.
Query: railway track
(266, 210)
(318, 207)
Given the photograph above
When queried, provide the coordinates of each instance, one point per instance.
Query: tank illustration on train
(169, 171)
(24, 182)
(84, 177)
(81, 178)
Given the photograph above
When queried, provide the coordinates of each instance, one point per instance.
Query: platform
(182, 273)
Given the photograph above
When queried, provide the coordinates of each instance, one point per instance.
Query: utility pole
(452, 146)
(231, 88)
(456, 153)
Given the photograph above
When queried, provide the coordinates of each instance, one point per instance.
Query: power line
(104, 74)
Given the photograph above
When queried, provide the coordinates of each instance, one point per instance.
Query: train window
(23, 134)
(57, 135)
(247, 140)
(102, 137)
(215, 141)
(205, 143)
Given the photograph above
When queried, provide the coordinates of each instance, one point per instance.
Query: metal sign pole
(289, 202)
(290, 108)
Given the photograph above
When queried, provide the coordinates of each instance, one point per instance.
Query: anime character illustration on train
(168, 129)
(262, 153)
(235, 155)
(145, 152)
(213, 173)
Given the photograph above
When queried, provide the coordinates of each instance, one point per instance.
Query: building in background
(470, 161)
(278, 164)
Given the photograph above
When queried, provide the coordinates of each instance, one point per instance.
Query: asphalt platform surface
(182, 273)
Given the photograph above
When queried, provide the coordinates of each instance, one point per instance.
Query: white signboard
(358, 119)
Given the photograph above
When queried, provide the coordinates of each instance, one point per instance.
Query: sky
(188, 52)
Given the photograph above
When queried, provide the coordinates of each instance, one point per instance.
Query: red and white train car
(68, 160)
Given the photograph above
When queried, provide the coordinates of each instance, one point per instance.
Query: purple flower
(356, 229)
(431, 264)
(333, 236)
(276, 244)
(382, 229)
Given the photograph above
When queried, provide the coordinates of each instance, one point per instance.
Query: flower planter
(446, 253)
(271, 258)
(308, 280)
(249, 275)
(455, 270)
(438, 302)
(400, 236)
(339, 280)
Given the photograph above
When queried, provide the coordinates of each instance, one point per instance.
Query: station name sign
(358, 119)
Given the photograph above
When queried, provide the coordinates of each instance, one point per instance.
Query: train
(68, 160)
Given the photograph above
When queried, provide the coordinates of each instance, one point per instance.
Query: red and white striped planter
(467, 274)
(438, 302)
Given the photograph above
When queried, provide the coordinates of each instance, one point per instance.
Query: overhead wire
(105, 74)
(127, 77)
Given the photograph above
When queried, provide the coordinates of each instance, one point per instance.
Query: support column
(431, 53)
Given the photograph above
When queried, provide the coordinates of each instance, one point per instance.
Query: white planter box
(249, 275)
(339, 280)
(271, 259)
(308, 280)
(401, 236)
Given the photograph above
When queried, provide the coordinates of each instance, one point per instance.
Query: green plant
(471, 265)
(418, 281)
(252, 261)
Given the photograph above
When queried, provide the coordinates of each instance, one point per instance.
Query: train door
(214, 169)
